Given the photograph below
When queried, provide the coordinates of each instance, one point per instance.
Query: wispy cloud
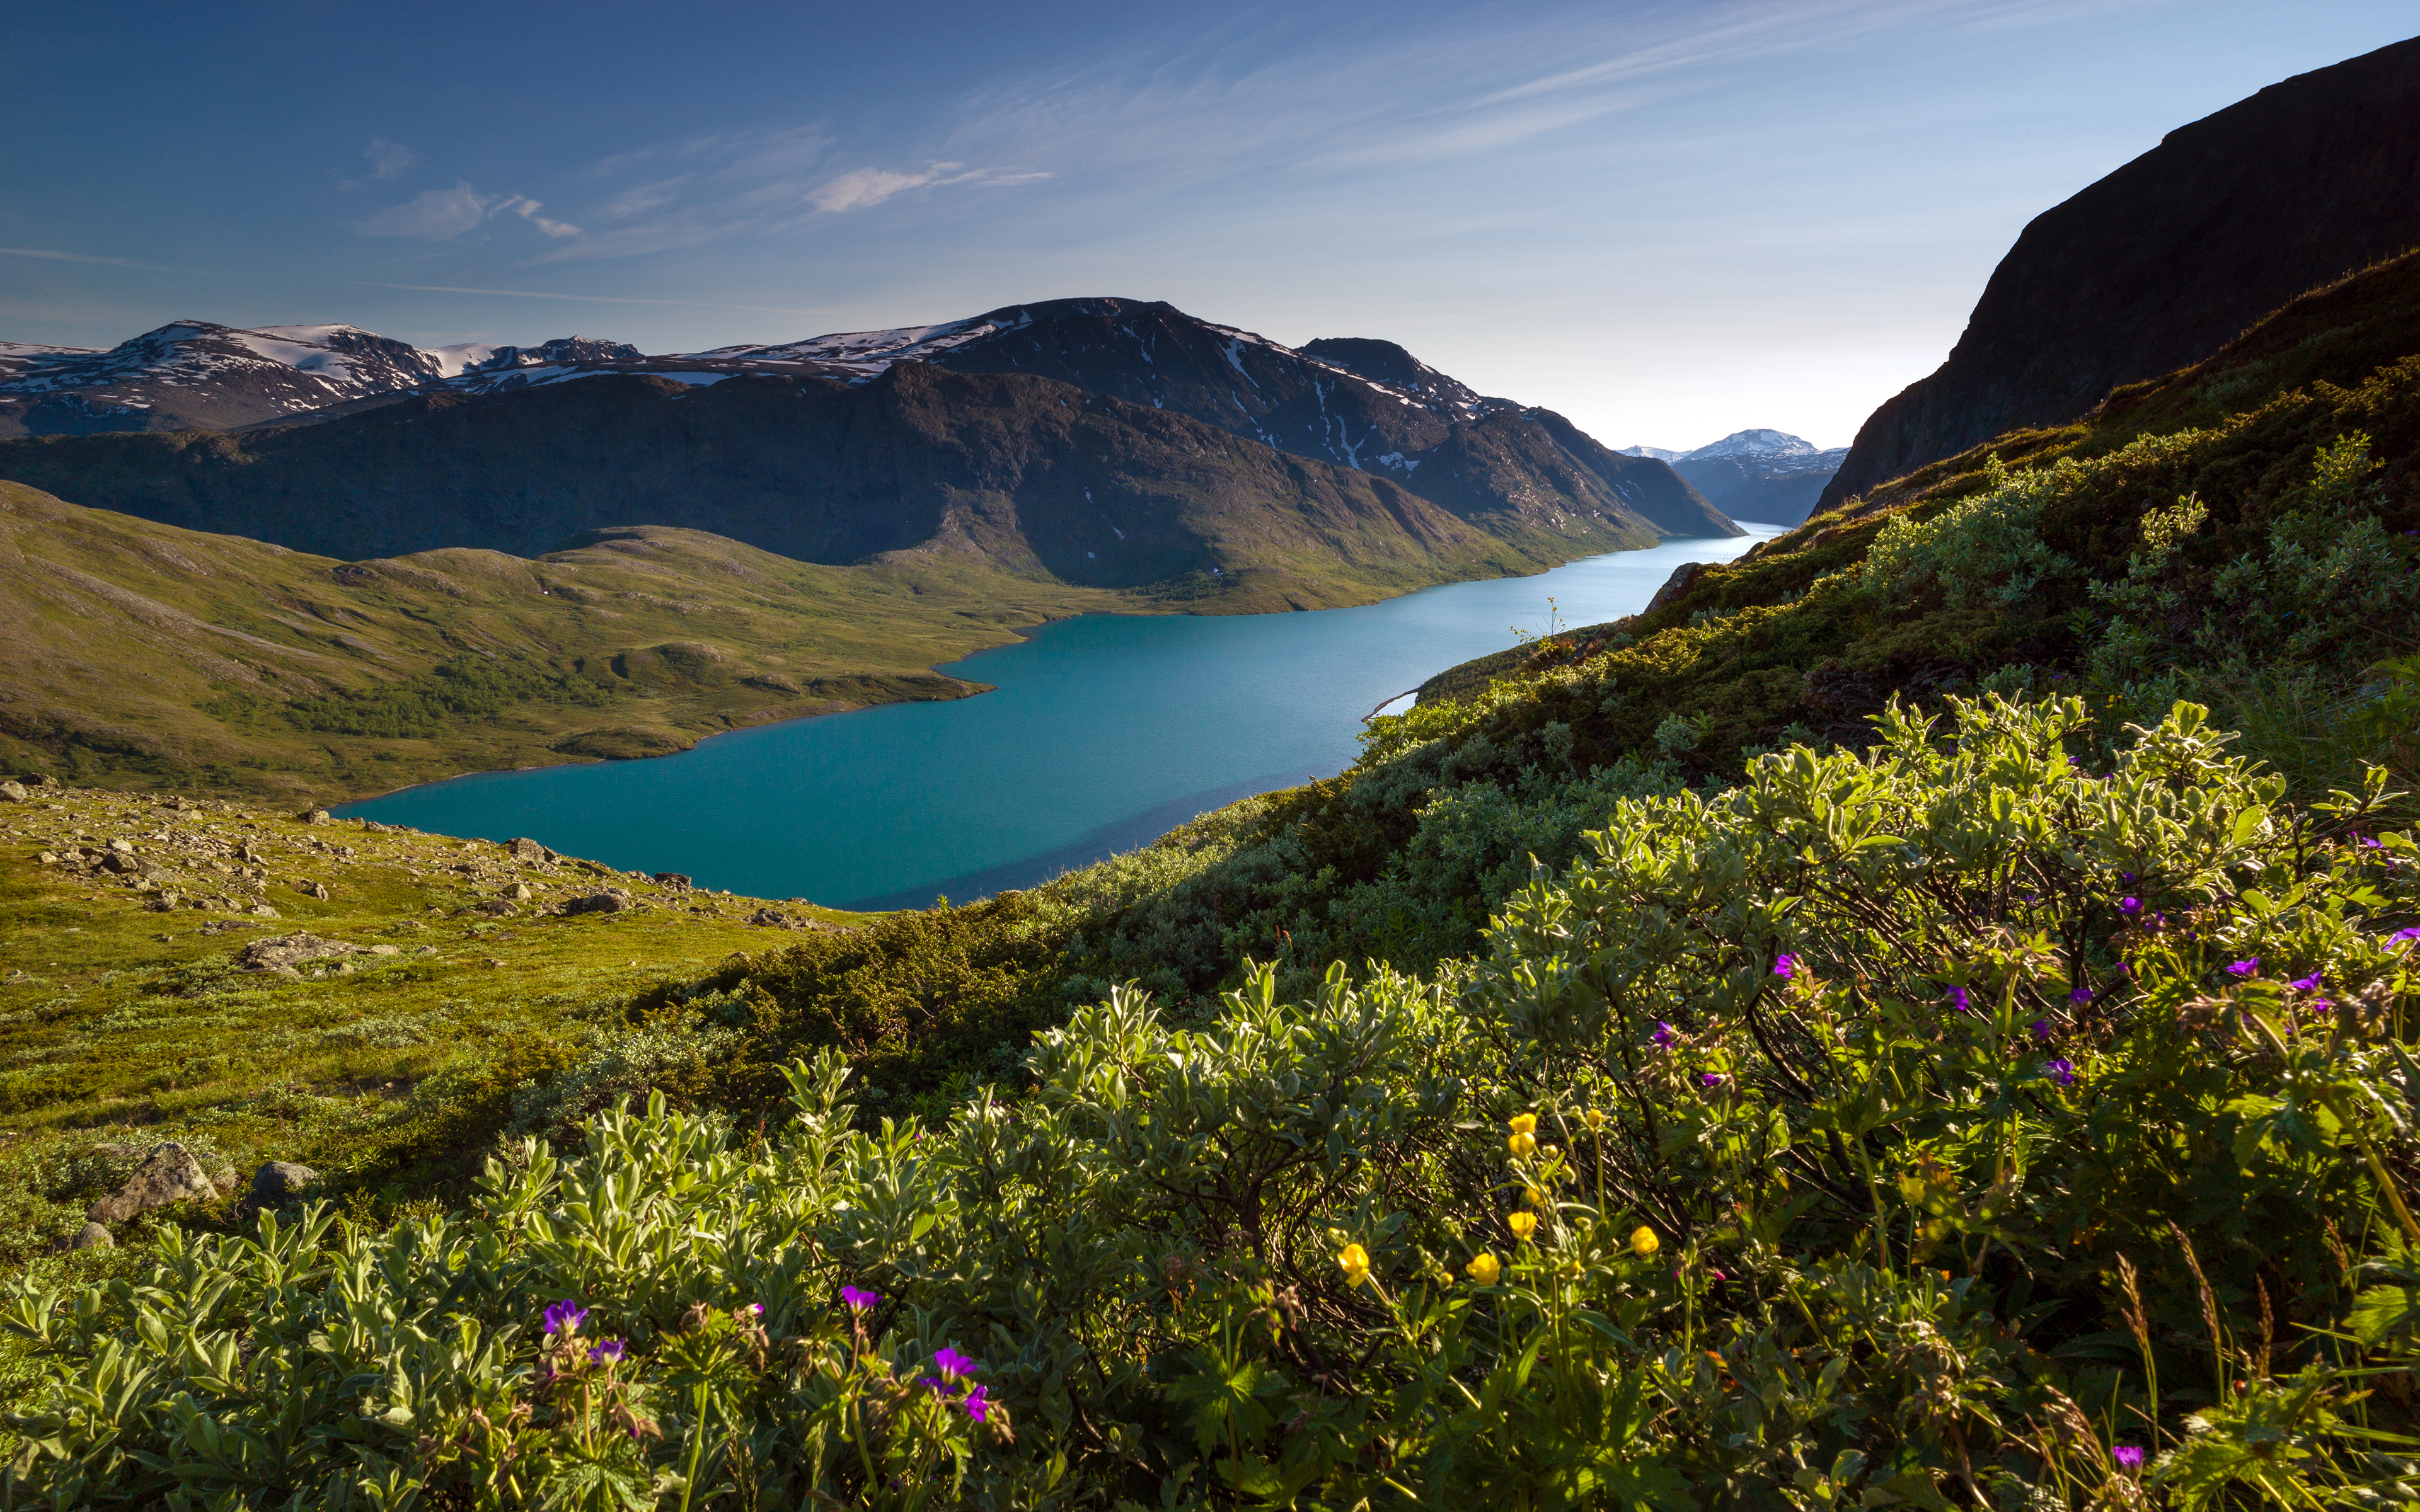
(596, 298)
(47, 254)
(389, 160)
(864, 188)
(442, 214)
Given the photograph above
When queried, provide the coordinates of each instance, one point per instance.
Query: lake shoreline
(1097, 721)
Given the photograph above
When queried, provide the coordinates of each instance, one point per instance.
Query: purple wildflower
(953, 1363)
(975, 1405)
(1786, 966)
(2124, 969)
(933, 1382)
(2081, 995)
(1710, 1078)
(2061, 1070)
(2305, 984)
(2243, 968)
(2130, 906)
(2412, 934)
(566, 1317)
(2041, 1028)
(754, 1309)
(2128, 875)
(1663, 1035)
(1958, 997)
(608, 1352)
(2129, 1456)
(859, 1300)
(2370, 844)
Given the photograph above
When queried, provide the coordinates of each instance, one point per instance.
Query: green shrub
(1896, 1128)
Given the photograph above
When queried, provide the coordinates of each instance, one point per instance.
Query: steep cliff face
(1025, 473)
(2163, 262)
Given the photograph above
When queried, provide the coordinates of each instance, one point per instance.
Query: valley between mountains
(643, 550)
(1921, 1013)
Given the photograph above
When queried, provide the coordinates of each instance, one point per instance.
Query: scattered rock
(772, 919)
(264, 910)
(612, 901)
(386, 950)
(312, 889)
(519, 892)
(171, 1174)
(672, 879)
(526, 849)
(46, 783)
(13, 792)
(49, 859)
(121, 847)
(315, 817)
(92, 1236)
(279, 1180)
(288, 952)
(499, 907)
(122, 862)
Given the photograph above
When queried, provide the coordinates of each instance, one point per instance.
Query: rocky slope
(1022, 473)
(2161, 262)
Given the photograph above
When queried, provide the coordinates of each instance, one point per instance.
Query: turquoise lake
(1107, 731)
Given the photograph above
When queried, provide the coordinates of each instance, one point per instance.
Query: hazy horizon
(1669, 221)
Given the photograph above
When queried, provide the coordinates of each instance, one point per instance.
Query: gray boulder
(171, 1174)
(526, 849)
(315, 817)
(279, 1180)
(612, 901)
(287, 951)
(91, 1236)
(13, 792)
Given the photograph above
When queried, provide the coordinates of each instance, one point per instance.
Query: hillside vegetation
(1922, 1017)
(146, 655)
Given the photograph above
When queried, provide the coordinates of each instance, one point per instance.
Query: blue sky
(1669, 221)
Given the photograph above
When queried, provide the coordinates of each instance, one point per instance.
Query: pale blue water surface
(1107, 731)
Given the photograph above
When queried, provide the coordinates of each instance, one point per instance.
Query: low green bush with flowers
(1942, 1124)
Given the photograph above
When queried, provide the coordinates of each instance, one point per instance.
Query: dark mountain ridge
(1029, 473)
(2163, 261)
(1363, 405)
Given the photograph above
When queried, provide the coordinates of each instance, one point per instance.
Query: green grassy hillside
(1923, 1017)
(142, 655)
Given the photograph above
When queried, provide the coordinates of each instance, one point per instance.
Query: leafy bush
(1946, 1122)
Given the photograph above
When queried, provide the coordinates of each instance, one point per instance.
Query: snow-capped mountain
(197, 374)
(1769, 476)
(1357, 402)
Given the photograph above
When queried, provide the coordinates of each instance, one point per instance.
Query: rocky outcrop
(279, 1180)
(2163, 261)
(170, 1174)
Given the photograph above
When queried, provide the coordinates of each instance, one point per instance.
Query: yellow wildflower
(1485, 1269)
(1356, 1261)
(1523, 1123)
(1521, 1224)
(1523, 1146)
(1594, 1118)
(1534, 1198)
(1643, 1243)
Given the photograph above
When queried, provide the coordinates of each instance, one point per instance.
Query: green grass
(120, 1024)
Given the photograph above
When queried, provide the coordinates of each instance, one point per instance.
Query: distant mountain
(1768, 476)
(1362, 403)
(2161, 263)
(1359, 403)
(1027, 474)
(197, 375)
